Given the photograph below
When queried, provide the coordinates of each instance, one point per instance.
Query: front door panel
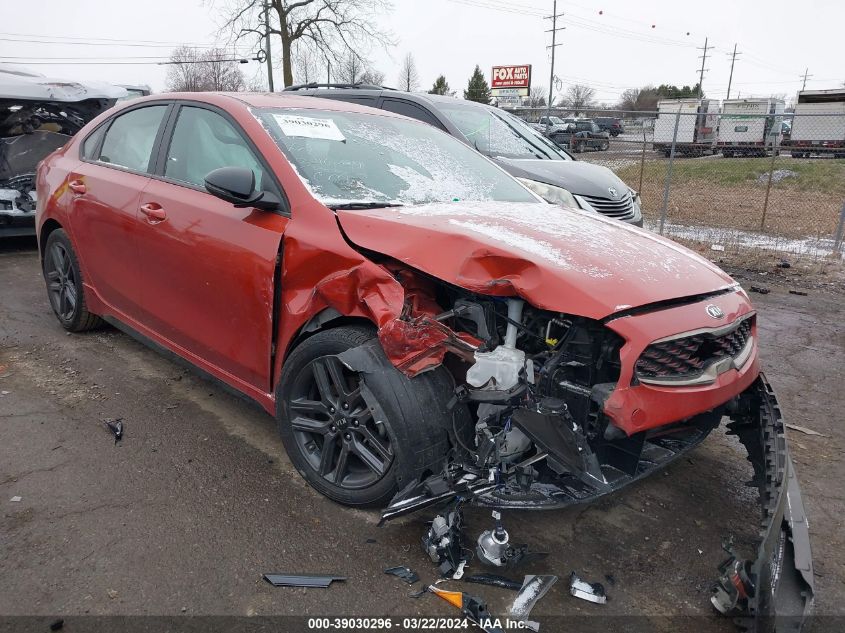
(207, 277)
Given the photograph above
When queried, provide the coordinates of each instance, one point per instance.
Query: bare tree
(409, 79)
(350, 68)
(306, 67)
(185, 72)
(372, 77)
(639, 99)
(221, 73)
(195, 70)
(578, 97)
(354, 69)
(333, 27)
(536, 97)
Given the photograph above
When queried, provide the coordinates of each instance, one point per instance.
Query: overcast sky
(608, 44)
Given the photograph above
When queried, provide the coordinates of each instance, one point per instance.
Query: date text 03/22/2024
(410, 624)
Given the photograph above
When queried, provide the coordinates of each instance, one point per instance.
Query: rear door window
(130, 139)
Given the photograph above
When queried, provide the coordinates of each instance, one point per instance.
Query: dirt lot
(198, 500)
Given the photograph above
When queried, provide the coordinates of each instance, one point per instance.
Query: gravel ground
(198, 500)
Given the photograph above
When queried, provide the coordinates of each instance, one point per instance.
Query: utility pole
(701, 72)
(267, 44)
(804, 85)
(730, 79)
(553, 17)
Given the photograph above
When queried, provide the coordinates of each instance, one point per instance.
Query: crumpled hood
(557, 259)
(580, 178)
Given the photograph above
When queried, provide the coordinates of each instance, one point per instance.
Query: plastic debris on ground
(533, 588)
(116, 427)
(494, 548)
(293, 580)
(803, 429)
(759, 290)
(406, 574)
(15, 499)
(444, 543)
(591, 592)
(717, 247)
(474, 609)
(493, 580)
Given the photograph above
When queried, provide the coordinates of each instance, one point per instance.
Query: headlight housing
(550, 193)
(638, 211)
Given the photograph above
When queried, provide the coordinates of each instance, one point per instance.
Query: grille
(621, 209)
(689, 357)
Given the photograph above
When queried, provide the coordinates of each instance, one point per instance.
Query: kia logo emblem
(715, 311)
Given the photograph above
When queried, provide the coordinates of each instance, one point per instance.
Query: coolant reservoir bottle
(500, 368)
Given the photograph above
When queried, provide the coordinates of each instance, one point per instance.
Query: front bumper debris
(773, 592)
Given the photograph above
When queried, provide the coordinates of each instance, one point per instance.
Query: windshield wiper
(363, 205)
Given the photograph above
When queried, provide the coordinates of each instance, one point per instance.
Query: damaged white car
(38, 115)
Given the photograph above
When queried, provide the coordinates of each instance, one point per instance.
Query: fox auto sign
(511, 76)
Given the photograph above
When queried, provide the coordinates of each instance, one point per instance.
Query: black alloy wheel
(335, 427)
(62, 282)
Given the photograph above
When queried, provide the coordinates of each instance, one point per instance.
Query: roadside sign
(511, 77)
(514, 93)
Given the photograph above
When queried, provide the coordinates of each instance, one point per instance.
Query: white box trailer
(696, 126)
(818, 125)
(750, 127)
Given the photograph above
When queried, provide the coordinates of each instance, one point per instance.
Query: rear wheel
(604, 146)
(358, 437)
(64, 285)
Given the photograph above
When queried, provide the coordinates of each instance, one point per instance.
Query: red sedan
(420, 324)
(259, 237)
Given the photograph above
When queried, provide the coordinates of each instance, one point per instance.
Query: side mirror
(237, 185)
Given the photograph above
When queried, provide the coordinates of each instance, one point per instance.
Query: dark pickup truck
(610, 125)
(581, 135)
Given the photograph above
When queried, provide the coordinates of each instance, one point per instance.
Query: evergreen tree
(440, 87)
(477, 88)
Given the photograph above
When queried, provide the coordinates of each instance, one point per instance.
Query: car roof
(266, 100)
(417, 97)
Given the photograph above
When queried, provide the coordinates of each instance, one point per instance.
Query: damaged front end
(538, 386)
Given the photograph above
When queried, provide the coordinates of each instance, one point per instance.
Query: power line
(110, 44)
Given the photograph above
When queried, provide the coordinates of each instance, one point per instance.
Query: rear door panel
(103, 216)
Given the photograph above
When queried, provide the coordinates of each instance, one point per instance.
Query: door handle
(76, 186)
(154, 212)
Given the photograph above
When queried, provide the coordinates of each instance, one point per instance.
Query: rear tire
(64, 285)
(605, 146)
(392, 429)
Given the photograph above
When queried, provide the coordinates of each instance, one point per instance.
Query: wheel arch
(47, 228)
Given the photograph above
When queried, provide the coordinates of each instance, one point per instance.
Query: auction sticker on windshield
(309, 127)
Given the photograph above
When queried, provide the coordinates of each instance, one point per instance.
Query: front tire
(359, 437)
(64, 285)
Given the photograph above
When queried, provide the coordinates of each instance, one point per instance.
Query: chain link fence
(728, 178)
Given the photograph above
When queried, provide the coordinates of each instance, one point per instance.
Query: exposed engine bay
(536, 385)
